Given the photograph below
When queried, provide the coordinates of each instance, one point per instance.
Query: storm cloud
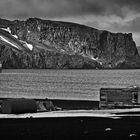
(113, 15)
(48, 8)
(62, 8)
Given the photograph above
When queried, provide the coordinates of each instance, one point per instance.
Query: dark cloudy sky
(112, 15)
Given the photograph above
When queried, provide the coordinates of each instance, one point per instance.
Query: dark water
(73, 84)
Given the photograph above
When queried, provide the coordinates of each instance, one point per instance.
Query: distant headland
(45, 44)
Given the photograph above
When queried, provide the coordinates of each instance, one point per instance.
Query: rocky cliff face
(37, 43)
(138, 47)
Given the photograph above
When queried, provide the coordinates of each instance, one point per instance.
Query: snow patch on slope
(2, 38)
(15, 36)
(7, 29)
(30, 46)
(95, 59)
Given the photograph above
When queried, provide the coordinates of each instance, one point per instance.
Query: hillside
(37, 43)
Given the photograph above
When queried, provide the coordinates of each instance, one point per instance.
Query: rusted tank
(17, 106)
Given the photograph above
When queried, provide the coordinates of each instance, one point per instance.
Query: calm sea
(66, 84)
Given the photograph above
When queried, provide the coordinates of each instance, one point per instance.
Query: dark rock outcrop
(61, 45)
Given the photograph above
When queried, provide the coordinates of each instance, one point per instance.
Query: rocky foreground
(37, 43)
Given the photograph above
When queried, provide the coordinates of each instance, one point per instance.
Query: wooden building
(119, 97)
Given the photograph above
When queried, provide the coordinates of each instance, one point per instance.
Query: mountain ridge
(56, 44)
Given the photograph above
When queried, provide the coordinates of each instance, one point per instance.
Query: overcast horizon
(112, 15)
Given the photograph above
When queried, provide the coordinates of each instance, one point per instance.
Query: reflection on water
(74, 84)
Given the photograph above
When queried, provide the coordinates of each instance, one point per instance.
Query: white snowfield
(77, 113)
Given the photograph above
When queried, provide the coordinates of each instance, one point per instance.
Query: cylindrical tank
(0, 67)
(17, 106)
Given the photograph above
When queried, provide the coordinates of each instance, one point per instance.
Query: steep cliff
(37, 43)
(138, 47)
